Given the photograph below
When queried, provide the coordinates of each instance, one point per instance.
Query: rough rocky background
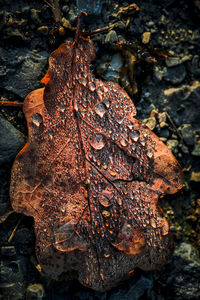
(152, 50)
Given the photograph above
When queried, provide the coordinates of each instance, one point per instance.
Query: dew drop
(112, 173)
(119, 201)
(37, 119)
(130, 126)
(84, 74)
(84, 81)
(100, 92)
(62, 107)
(135, 135)
(104, 166)
(98, 141)
(100, 110)
(106, 255)
(50, 133)
(150, 154)
(104, 201)
(91, 86)
(143, 141)
(123, 142)
(119, 120)
(106, 102)
(153, 223)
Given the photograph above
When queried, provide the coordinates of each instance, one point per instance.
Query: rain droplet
(106, 102)
(104, 166)
(100, 92)
(100, 110)
(104, 201)
(84, 74)
(120, 120)
(105, 214)
(92, 86)
(50, 133)
(135, 135)
(105, 89)
(123, 142)
(131, 195)
(150, 154)
(143, 141)
(98, 141)
(153, 223)
(37, 119)
(112, 173)
(62, 107)
(84, 81)
(130, 126)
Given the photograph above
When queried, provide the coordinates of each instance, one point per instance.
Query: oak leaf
(91, 176)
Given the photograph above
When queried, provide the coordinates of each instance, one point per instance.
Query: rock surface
(161, 75)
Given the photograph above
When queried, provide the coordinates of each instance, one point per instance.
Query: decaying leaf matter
(91, 176)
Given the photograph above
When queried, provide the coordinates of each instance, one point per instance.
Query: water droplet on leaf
(100, 110)
(98, 141)
(37, 119)
(84, 81)
(119, 120)
(91, 86)
(104, 201)
(106, 102)
(123, 142)
(135, 135)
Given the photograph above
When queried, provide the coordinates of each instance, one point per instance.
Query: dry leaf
(91, 176)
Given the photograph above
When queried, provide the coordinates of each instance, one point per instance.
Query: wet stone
(135, 290)
(196, 150)
(8, 251)
(164, 132)
(175, 75)
(111, 37)
(106, 102)
(172, 61)
(146, 37)
(187, 133)
(26, 69)
(35, 292)
(184, 280)
(11, 141)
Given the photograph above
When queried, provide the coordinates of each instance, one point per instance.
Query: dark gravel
(154, 54)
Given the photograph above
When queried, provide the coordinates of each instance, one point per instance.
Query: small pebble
(43, 30)
(35, 291)
(195, 177)
(196, 150)
(111, 37)
(146, 37)
(172, 144)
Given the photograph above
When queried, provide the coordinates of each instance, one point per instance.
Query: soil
(152, 50)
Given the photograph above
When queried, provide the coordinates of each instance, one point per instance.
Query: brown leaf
(91, 176)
